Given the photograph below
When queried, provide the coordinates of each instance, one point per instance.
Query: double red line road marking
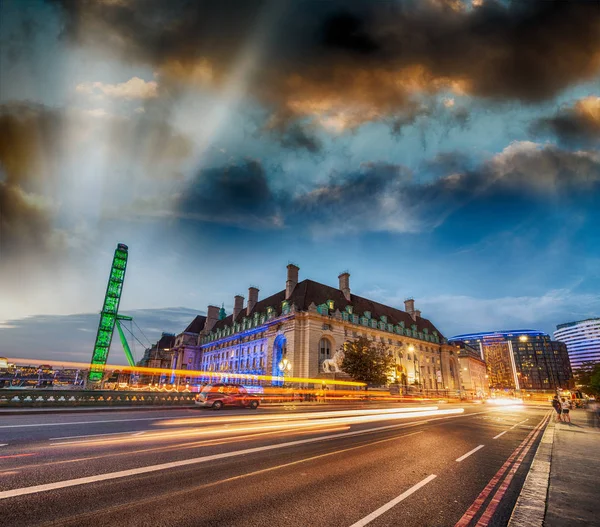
(511, 466)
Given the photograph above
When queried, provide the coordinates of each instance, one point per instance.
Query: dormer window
(367, 314)
(330, 305)
(383, 318)
(349, 309)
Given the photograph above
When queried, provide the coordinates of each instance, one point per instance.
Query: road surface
(421, 465)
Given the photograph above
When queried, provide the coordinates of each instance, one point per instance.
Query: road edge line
(530, 508)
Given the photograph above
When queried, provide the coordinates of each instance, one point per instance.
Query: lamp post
(284, 366)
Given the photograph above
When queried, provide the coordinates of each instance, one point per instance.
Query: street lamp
(284, 366)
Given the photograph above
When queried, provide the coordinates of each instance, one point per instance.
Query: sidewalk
(573, 493)
(561, 489)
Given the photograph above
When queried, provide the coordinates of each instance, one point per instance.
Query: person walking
(557, 407)
(565, 411)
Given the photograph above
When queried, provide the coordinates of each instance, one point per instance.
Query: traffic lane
(83, 457)
(57, 461)
(25, 433)
(467, 479)
(43, 426)
(385, 467)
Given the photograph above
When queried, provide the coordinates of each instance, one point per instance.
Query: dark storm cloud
(27, 133)
(234, 195)
(383, 197)
(40, 147)
(359, 61)
(578, 125)
(25, 225)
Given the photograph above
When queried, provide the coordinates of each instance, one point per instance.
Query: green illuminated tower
(109, 315)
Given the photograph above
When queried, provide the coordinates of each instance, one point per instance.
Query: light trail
(35, 489)
(216, 376)
(283, 425)
(300, 415)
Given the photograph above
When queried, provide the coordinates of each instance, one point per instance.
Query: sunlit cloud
(134, 88)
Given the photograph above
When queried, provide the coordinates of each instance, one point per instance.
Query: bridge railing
(69, 398)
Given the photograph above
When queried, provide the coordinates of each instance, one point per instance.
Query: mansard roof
(196, 325)
(308, 292)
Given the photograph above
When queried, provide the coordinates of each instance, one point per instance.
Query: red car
(216, 396)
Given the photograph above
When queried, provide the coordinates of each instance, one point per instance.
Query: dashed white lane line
(465, 456)
(500, 434)
(393, 503)
(515, 426)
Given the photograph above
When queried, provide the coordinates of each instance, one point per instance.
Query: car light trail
(315, 425)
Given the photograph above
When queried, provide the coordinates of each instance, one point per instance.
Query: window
(324, 350)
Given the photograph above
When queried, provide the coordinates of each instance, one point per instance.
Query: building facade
(474, 378)
(522, 359)
(582, 339)
(307, 322)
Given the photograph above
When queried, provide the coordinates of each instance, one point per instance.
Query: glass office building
(522, 359)
(582, 339)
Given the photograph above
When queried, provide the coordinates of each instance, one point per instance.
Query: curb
(530, 508)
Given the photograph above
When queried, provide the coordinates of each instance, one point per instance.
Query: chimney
(417, 314)
(409, 306)
(344, 279)
(292, 280)
(212, 315)
(252, 299)
(238, 306)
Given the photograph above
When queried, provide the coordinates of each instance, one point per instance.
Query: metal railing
(69, 398)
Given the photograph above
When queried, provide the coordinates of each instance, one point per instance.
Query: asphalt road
(456, 465)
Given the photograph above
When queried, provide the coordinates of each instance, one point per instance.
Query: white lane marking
(515, 426)
(465, 456)
(90, 422)
(500, 434)
(194, 461)
(89, 435)
(394, 502)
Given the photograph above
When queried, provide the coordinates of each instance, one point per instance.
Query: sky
(445, 150)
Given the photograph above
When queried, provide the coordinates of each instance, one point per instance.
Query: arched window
(324, 351)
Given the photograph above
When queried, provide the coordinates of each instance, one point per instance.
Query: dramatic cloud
(232, 195)
(134, 88)
(382, 197)
(346, 63)
(575, 125)
(60, 168)
(385, 198)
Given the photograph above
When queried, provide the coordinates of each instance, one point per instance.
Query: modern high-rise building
(523, 359)
(582, 339)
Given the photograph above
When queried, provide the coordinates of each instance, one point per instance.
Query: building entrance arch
(279, 352)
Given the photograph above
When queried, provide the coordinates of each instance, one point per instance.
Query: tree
(588, 378)
(367, 361)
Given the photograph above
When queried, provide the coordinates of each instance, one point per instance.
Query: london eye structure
(109, 317)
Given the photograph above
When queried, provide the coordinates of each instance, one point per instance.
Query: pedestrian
(557, 407)
(593, 411)
(565, 411)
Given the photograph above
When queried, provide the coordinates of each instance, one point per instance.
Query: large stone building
(523, 359)
(307, 322)
(474, 378)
